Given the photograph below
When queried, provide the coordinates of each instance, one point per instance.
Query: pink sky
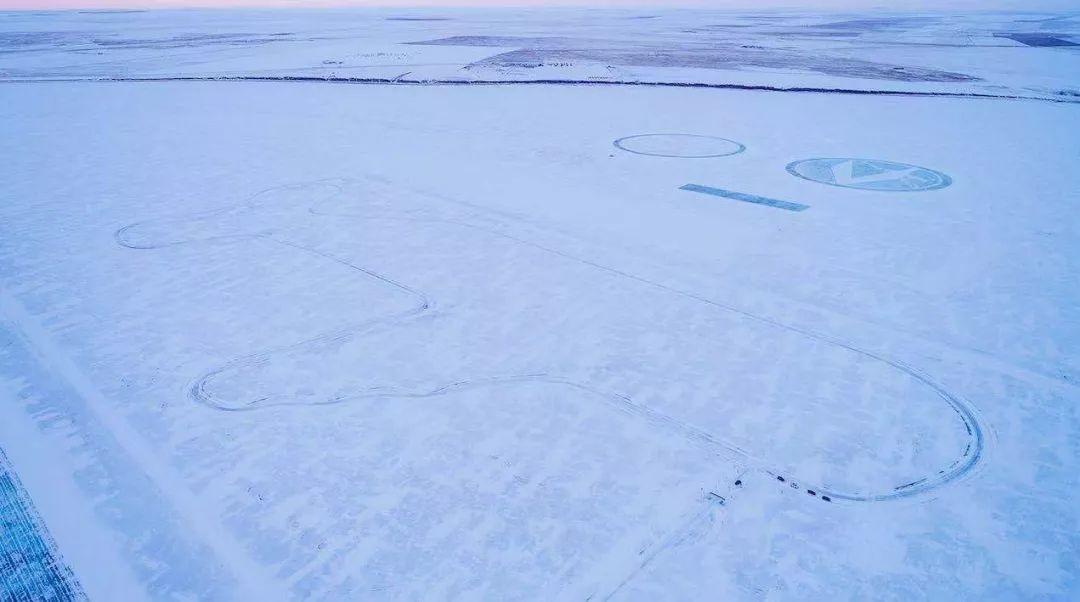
(46, 4)
(59, 4)
(52, 4)
(849, 4)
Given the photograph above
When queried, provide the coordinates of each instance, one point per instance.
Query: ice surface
(299, 340)
(869, 174)
(744, 197)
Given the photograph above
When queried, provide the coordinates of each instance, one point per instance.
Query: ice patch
(869, 174)
(746, 198)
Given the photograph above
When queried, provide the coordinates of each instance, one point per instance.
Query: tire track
(200, 390)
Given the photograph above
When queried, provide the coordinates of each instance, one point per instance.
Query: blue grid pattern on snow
(30, 566)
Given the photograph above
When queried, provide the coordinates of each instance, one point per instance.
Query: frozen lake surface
(397, 305)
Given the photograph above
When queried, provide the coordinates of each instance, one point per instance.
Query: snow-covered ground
(1026, 54)
(268, 339)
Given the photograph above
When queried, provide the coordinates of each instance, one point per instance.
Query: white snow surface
(1027, 54)
(279, 340)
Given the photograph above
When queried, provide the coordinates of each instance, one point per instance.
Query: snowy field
(455, 323)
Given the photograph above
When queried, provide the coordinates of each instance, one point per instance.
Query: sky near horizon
(718, 4)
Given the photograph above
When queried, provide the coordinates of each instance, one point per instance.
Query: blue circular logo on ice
(869, 174)
(683, 146)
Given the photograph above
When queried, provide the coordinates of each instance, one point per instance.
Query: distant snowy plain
(504, 323)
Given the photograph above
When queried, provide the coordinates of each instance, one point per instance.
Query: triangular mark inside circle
(861, 169)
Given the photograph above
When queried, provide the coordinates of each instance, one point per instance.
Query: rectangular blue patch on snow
(746, 198)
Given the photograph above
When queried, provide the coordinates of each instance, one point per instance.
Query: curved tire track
(201, 393)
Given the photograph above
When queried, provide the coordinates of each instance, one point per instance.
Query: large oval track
(321, 198)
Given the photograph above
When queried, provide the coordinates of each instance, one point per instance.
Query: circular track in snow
(682, 146)
(869, 174)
